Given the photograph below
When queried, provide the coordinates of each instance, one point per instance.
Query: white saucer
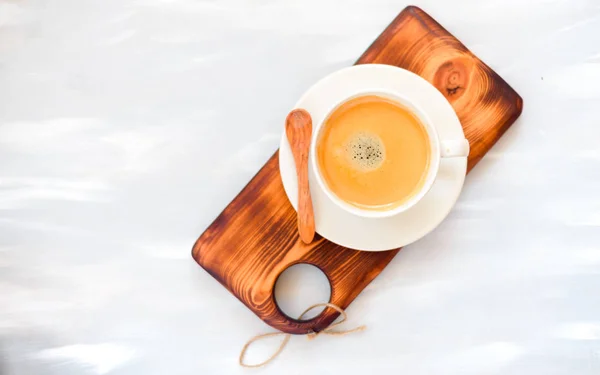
(378, 234)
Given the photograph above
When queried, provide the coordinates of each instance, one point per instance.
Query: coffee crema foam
(373, 153)
(365, 151)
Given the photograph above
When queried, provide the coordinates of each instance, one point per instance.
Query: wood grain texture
(298, 129)
(255, 238)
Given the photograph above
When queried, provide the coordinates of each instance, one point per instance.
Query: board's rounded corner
(413, 8)
(196, 250)
(519, 104)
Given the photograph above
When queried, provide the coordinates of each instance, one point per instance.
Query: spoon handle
(306, 217)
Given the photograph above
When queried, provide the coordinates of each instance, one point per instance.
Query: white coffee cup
(439, 148)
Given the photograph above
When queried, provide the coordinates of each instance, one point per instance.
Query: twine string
(327, 331)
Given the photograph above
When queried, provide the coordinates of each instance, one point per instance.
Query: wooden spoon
(298, 128)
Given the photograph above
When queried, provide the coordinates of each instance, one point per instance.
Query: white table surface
(126, 126)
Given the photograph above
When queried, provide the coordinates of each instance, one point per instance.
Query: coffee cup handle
(454, 148)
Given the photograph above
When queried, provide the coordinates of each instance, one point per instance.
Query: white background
(126, 126)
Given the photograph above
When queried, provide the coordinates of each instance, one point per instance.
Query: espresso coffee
(373, 153)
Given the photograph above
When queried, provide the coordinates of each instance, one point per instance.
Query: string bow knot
(310, 336)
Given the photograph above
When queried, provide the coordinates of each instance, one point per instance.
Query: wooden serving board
(255, 238)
